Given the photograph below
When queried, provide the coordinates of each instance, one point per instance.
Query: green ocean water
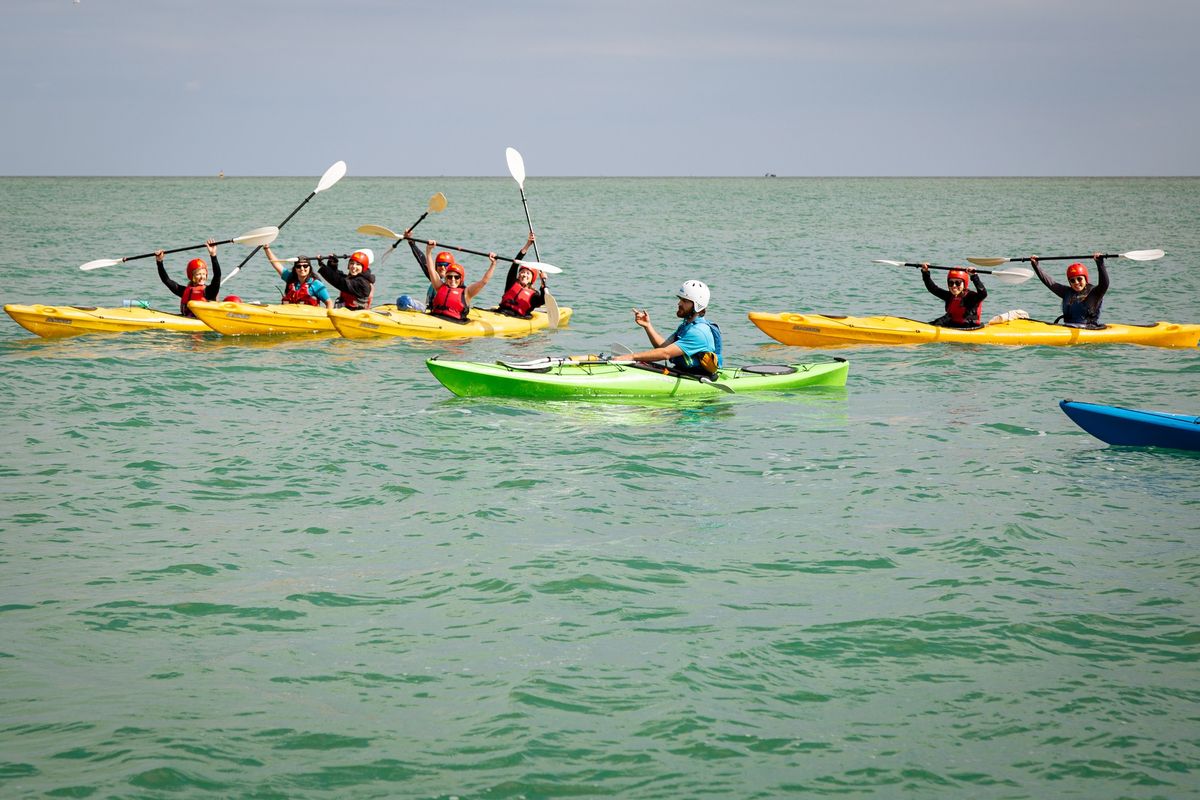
(235, 567)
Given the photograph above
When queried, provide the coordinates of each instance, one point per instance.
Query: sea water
(299, 567)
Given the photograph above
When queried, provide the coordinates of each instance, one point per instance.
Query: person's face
(200, 275)
(303, 269)
(353, 268)
(956, 286)
(685, 308)
(440, 269)
(524, 276)
(1077, 282)
(453, 279)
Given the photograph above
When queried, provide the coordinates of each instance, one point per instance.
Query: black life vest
(1076, 310)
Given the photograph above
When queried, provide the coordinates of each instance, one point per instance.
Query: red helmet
(958, 274)
(195, 264)
(360, 258)
(233, 298)
(1076, 270)
(444, 259)
(457, 269)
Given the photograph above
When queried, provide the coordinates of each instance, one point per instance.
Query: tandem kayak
(570, 379)
(239, 319)
(824, 330)
(57, 321)
(391, 321)
(1132, 427)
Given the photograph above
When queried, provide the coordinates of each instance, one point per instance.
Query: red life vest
(191, 292)
(298, 293)
(351, 300)
(962, 314)
(518, 299)
(450, 303)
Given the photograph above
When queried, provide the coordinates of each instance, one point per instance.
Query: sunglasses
(955, 282)
(453, 276)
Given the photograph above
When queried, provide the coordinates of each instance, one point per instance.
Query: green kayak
(573, 379)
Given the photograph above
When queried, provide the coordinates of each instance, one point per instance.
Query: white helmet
(695, 291)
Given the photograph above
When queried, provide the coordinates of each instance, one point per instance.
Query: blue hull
(1128, 426)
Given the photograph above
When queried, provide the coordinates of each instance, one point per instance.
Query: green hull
(602, 380)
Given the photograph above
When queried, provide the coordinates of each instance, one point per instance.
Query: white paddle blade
(516, 166)
(1011, 277)
(1143, 255)
(257, 237)
(437, 203)
(552, 317)
(540, 266)
(886, 261)
(370, 254)
(378, 230)
(100, 262)
(988, 262)
(331, 176)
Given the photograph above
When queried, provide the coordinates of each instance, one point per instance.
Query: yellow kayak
(238, 319)
(390, 321)
(821, 330)
(58, 321)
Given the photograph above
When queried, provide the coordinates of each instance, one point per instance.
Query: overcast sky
(600, 87)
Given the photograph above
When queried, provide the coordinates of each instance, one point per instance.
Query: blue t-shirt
(695, 338)
(315, 287)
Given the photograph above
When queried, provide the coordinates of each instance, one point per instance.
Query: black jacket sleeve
(214, 288)
(175, 288)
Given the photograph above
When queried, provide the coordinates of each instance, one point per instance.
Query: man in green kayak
(695, 346)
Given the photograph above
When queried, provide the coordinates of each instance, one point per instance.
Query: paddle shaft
(396, 243)
(238, 268)
(947, 269)
(1067, 258)
(178, 250)
(466, 250)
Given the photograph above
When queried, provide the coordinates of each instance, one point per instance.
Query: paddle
(380, 230)
(1132, 255)
(332, 175)
(1010, 277)
(255, 238)
(548, 362)
(516, 168)
(437, 204)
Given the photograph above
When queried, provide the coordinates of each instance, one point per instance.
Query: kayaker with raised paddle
(963, 306)
(451, 298)
(356, 285)
(300, 287)
(695, 346)
(1081, 300)
(197, 273)
(520, 298)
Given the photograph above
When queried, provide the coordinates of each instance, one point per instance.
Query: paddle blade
(516, 166)
(257, 237)
(988, 262)
(437, 203)
(100, 262)
(886, 261)
(331, 176)
(551, 311)
(1011, 277)
(540, 266)
(378, 230)
(1143, 255)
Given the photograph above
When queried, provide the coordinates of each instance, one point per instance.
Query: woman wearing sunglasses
(451, 297)
(963, 305)
(300, 286)
(1081, 300)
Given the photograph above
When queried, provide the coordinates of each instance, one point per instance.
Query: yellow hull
(58, 321)
(251, 319)
(819, 330)
(391, 321)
